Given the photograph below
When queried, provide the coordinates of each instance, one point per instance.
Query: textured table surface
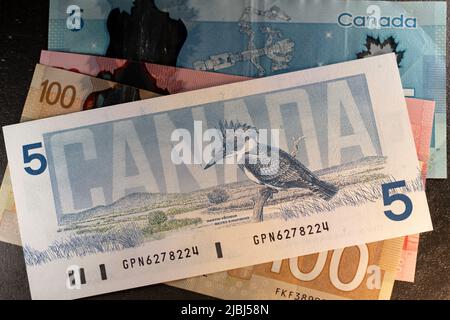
(23, 34)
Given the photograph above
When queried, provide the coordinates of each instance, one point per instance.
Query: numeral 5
(388, 199)
(27, 158)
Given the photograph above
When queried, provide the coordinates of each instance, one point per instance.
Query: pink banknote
(421, 113)
(421, 118)
(408, 259)
(170, 80)
(152, 77)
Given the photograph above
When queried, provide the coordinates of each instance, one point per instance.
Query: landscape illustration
(142, 217)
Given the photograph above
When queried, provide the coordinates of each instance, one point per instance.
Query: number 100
(60, 94)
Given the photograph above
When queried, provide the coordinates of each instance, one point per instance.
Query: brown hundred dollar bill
(55, 92)
(361, 272)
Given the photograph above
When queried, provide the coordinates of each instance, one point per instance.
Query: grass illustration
(141, 217)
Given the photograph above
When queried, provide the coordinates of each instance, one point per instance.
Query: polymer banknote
(260, 38)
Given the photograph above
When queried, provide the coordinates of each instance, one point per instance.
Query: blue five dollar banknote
(260, 38)
(231, 176)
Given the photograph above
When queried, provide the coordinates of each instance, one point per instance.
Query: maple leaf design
(375, 48)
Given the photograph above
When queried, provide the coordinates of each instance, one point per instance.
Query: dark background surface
(23, 34)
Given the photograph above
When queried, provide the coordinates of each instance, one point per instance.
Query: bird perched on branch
(266, 165)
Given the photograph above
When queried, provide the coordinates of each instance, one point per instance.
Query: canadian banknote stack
(241, 149)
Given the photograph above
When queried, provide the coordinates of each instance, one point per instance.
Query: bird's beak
(210, 164)
(218, 157)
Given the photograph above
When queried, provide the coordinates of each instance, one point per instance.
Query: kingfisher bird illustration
(274, 173)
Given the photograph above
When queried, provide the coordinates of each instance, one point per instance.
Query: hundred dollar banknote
(178, 79)
(190, 184)
(55, 92)
(365, 272)
(258, 38)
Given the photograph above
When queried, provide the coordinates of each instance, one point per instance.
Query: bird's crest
(234, 125)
